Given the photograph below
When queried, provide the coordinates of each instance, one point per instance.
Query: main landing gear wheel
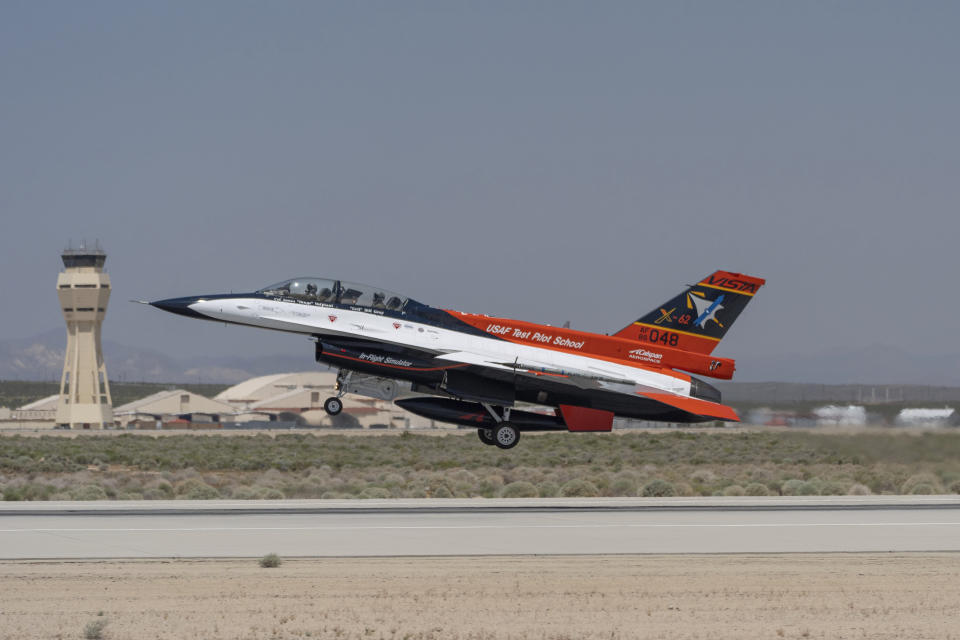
(486, 436)
(333, 406)
(506, 435)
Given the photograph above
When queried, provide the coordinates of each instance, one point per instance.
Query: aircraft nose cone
(180, 306)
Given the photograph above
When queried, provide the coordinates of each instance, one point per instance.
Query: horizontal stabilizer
(694, 406)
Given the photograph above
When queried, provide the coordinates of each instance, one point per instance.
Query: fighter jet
(475, 370)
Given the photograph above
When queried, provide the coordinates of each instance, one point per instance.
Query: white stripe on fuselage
(315, 319)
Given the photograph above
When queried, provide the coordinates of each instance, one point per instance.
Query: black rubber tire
(486, 436)
(507, 436)
(333, 406)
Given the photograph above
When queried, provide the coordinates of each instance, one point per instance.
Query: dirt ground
(610, 597)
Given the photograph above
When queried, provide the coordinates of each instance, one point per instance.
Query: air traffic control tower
(84, 290)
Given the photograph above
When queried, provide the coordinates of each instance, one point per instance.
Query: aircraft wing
(595, 378)
(533, 369)
(465, 357)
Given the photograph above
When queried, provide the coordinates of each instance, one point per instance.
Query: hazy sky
(546, 161)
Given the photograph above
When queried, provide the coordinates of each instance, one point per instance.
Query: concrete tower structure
(84, 290)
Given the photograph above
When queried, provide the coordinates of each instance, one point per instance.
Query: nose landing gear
(333, 406)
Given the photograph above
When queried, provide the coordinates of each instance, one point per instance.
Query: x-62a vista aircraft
(473, 370)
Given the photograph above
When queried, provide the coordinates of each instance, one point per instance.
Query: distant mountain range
(41, 358)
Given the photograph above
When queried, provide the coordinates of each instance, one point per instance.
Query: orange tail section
(698, 318)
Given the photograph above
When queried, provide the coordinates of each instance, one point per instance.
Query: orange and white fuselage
(643, 371)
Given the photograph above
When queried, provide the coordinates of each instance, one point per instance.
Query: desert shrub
(94, 629)
(462, 475)
(337, 495)
(623, 486)
(393, 480)
(270, 561)
(833, 488)
(703, 476)
(547, 489)
(857, 489)
(927, 483)
(269, 493)
(734, 490)
(195, 489)
(923, 489)
(579, 488)
(760, 475)
(519, 489)
(88, 492)
(756, 489)
(162, 486)
(374, 493)
(524, 473)
(490, 486)
(685, 489)
(954, 486)
(658, 488)
(798, 487)
(441, 492)
(30, 491)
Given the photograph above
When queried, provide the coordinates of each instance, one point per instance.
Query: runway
(477, 527)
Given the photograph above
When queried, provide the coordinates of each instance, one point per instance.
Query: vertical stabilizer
(698, 318)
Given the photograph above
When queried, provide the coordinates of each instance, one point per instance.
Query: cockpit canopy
(337, 292)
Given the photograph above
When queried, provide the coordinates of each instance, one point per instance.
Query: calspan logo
(706, 308)
(648, 356)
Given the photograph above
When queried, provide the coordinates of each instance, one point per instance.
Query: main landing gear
(504, 434)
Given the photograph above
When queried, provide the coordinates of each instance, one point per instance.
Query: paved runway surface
(477, 527)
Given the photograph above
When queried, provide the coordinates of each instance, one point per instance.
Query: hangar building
(167, 406)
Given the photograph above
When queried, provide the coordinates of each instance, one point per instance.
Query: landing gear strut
(334, 405)
(504, 435)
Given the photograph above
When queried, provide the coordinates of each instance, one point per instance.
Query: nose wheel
(333, 406)
(486, 437)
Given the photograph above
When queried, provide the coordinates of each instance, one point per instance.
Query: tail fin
(698, 318)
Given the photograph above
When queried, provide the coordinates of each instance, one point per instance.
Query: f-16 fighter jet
(473, 370)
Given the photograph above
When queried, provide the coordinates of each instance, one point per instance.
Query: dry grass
(685, 463)
(792, 596)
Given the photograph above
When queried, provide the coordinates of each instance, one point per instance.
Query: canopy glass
(337, 292)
